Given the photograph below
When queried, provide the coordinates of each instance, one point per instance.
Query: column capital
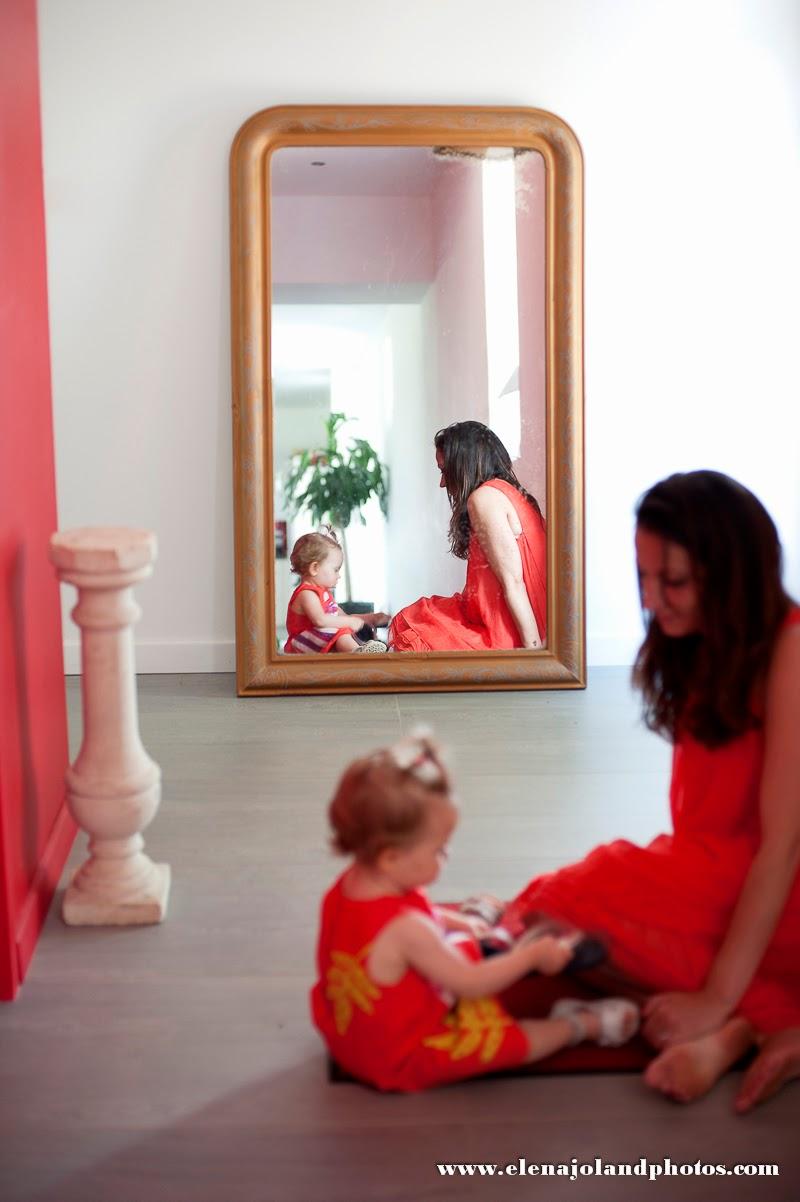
(103, 556)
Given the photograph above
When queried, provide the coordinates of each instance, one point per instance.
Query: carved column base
(113, 788)
(84, 908)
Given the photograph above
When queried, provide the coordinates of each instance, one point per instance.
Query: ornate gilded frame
(260, 668)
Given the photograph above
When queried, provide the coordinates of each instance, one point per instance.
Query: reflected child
(314, 622)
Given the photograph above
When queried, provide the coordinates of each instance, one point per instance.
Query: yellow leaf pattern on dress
(475, 1026)
(347, 984)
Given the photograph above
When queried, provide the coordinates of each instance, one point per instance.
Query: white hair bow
(418, 754)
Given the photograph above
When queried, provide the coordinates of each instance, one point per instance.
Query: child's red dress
(666, 907)
(304, 636)
(406, 1036)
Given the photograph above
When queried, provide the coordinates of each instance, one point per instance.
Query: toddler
(403, 999)
(314, 621)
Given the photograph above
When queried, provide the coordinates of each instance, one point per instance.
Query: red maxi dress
(479, 618)
(406, 1036)
(666, 907)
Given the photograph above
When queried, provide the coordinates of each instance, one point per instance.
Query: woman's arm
(488, 515)
(419, 945)
(308, 603)
(675, 1017)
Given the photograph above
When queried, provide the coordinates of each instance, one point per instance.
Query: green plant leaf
(334, 484)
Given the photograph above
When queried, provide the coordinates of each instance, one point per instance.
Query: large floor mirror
(396, 273)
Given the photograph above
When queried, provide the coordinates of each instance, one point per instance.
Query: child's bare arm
(308, 603)
(376, 619)
(422, 947)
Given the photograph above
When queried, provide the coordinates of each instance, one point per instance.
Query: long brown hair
(471, 455)
(710, 684)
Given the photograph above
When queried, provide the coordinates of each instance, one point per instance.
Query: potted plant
(333, 485)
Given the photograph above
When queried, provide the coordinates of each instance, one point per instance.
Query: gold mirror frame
(260, 668)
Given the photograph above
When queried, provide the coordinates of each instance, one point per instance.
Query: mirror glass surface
(407, 292)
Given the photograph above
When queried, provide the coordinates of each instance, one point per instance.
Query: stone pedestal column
(113, 788)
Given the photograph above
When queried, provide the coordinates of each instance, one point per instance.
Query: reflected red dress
(406, 1036)
(666, 907)
(304, 636)
(479, 619)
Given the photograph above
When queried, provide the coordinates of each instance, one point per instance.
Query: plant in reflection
(333, 483)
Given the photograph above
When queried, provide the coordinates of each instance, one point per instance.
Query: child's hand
(550, 955)
(355, 622)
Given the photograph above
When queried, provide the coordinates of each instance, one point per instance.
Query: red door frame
(36, 831)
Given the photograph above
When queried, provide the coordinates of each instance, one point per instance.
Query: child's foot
(776, 1063)
(372, 647)
(609, 1022)
(686, 1071)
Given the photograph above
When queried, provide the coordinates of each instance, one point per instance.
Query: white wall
(688, 117)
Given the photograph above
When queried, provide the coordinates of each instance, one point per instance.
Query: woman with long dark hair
(497, 526)
(707, 919)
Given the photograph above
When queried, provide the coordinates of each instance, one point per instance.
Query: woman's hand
(677, 1017)
(378, 619)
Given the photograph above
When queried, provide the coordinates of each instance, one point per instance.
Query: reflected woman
(497, 526)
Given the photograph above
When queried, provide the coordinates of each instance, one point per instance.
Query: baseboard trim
(43, 886)
(167, 656)
(220, 656)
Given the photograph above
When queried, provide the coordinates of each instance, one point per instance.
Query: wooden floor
(178, 1063)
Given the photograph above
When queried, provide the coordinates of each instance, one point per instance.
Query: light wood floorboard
(178, 1063)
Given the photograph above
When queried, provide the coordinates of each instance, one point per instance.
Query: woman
(708, 918)
(498, 528)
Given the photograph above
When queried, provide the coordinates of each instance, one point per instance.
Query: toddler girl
(403, 999)
(314, 621)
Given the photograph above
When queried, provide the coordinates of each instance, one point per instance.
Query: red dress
(479, 619)
(666, 907)
(304, 636)
(406, 1036)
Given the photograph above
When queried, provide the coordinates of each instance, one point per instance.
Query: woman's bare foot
(686, 1071)
(776, 1063)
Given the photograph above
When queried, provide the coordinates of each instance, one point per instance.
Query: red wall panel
(35, 829)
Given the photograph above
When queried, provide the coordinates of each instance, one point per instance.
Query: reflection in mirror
(408, 293)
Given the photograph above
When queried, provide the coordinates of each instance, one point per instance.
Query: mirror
(395, 271)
